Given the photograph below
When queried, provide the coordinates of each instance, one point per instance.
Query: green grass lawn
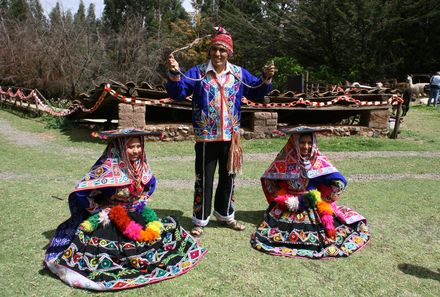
(403, 258)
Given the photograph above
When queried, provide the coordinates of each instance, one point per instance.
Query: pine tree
(4, 5)
(80, 15)
(19, 9)
(68, 19)
(37, 12)
(55, 16)
(91, 17)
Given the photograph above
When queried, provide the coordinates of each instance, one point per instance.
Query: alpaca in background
(416, 89)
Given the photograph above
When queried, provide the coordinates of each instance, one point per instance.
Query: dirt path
(332, 155)
(41, 141)
(240, 182)
(21, 138)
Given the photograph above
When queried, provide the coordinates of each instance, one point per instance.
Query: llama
(416, 89)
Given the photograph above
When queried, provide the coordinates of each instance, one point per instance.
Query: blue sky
(99, 5)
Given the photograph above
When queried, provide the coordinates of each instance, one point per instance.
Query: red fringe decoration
(327, 221)
(235, 156)
(119, 216)
(325, 212)
(280, 200)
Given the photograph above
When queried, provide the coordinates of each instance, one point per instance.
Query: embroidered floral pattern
(220, 118)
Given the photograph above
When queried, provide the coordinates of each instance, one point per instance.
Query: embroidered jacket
(216, 105)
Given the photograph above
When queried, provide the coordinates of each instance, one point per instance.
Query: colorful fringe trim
(235, 155)
(132, 230)
(311, 200)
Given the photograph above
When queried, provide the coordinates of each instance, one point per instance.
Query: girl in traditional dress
(303, 220)
(113, 240)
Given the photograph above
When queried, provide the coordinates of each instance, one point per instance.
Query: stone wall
(375, 119)
(179, 132)
(354, 130)
(262, 125)
(171, 132)
(131, 116)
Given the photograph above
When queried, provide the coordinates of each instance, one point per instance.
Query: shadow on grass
(184, 221)
(252, 217)
(46, 272)
(49, 235)
(419, 271)
(80, 134)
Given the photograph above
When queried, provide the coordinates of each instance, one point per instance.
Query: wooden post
(307, 84)
(36, 108)
(397, 123)
(41, 98)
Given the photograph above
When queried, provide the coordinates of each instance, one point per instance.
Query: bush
(52, 122)
(286, 66)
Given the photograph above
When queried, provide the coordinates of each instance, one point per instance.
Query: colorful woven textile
(104, 260)
(295, 227)
(112, 241)
(110, 171)
(216, 107)
(301, 234)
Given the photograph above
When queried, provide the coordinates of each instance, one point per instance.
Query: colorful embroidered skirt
(300, 234)
(105, 260)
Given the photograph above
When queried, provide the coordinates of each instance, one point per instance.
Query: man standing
(217, 88)
(434, 88)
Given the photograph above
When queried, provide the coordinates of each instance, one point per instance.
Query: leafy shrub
(52, 122)
(286, 66)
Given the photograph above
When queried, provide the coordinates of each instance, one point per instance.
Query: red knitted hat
(223, 38)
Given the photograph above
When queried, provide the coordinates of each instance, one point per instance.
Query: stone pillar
(263, 123)
(131, 116)
(379, 119)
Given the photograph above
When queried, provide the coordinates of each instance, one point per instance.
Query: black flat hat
(129, 132)
(304, 130)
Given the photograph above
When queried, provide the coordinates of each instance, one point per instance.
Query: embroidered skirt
(106, 260)
(301, 234)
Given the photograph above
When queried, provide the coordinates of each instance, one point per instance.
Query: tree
(55, 16)
(286, 66)
(247, 23)
(155, 15)
(91, 17)
(37, 12)
(4, 4)
(19, 9)
(68, 19)
(80, 15)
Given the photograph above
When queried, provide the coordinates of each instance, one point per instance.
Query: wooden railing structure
(116, 100)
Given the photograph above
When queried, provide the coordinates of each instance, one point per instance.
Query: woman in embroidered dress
(303, 220)
(112, 240)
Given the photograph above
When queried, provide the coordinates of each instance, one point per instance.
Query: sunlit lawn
(403, 258)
